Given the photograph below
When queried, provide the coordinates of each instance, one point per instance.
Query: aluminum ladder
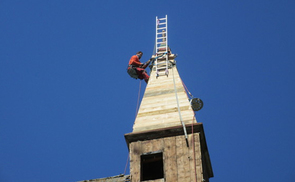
(162, 57)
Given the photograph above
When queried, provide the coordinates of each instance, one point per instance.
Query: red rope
(186, 89)
(194, 153)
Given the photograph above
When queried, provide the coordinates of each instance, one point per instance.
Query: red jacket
(134, 61)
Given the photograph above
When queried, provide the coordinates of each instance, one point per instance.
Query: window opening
(152, 166)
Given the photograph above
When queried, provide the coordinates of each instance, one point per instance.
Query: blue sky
(66, 100)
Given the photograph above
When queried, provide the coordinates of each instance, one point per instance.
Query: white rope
(180, 117)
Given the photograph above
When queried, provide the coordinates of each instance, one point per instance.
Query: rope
(179, 113)
(194, 153)
(138, 99)
(126, 164)
(187, 90)
(161, 55)
(193, 137)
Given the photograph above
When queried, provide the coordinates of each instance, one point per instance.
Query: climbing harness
(131, 70)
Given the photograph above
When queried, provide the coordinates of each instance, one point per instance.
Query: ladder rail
(167, 45)
(162, 43)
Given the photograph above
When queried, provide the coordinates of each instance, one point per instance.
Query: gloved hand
(148, 62)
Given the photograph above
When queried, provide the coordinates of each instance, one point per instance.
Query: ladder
(162, 57)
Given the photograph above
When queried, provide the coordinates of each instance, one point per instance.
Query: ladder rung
(162, 73)
(161, 37)
(162, 23)
(163, 29)
(161, 62)
(161, 18)
(162, 68)
(161, 47)
(161, 65)
(160, 28)
(161, 52)
(161, 42)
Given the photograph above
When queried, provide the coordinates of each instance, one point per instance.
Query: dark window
(152, 166)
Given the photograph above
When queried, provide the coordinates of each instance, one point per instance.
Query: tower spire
(167, 143)
(165, 102)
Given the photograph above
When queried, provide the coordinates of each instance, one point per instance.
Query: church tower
(167, 143)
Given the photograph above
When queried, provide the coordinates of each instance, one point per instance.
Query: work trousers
(142, 74)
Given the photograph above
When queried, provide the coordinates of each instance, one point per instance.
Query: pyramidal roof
(165, 102)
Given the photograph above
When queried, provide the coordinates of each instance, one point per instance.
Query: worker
(136, 69)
